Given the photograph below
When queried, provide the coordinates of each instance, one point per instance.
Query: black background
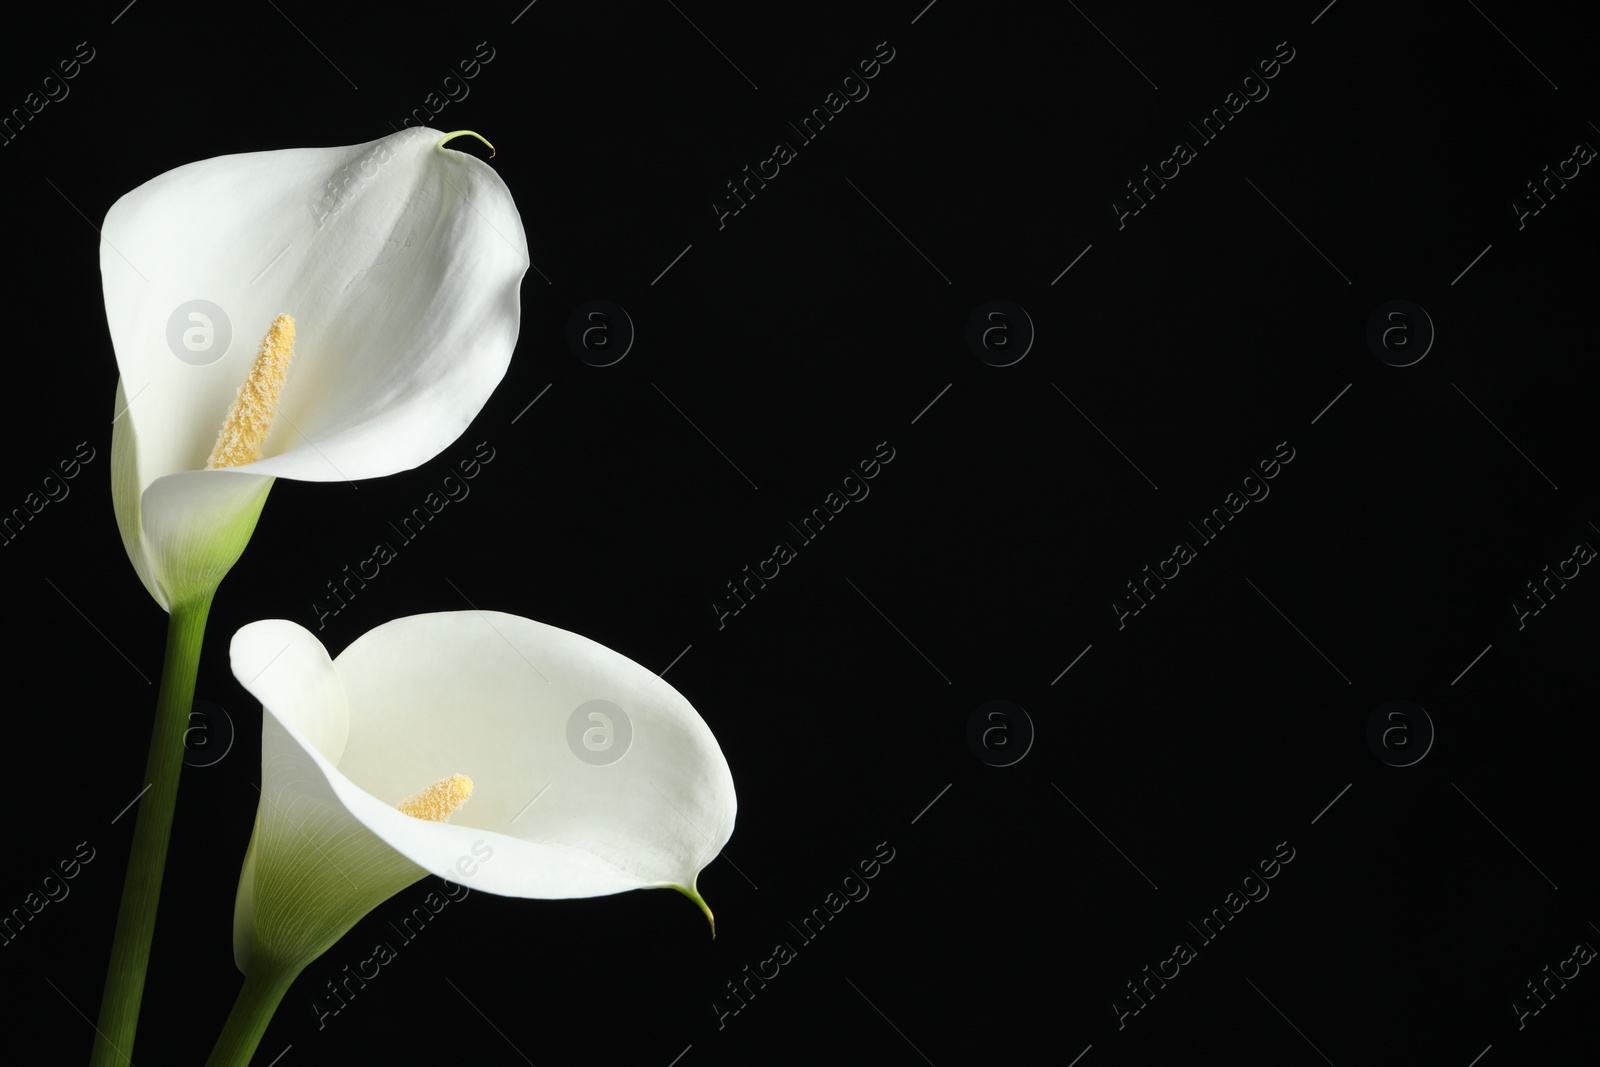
(1176, 752)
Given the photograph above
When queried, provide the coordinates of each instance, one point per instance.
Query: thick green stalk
(263, 988)
(141, 890)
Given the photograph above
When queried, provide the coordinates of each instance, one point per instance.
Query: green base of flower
(263, 989)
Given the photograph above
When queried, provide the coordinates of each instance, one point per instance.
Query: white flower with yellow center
(369, 760)
(385, 280)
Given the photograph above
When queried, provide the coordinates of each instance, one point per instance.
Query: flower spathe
(473, 694)
(399, 262)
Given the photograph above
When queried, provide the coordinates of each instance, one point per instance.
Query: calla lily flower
(388, 271)
(588, 775)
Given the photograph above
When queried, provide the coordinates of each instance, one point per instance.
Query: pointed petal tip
(467, 133)
(695, 896)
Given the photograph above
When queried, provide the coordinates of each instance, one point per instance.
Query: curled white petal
(485, 694)
(401, 262)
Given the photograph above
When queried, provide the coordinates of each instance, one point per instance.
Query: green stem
(141, 889)
(263, 988)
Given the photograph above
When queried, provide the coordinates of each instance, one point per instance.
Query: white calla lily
(383, 280)
(589, 775)
(399, 262)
